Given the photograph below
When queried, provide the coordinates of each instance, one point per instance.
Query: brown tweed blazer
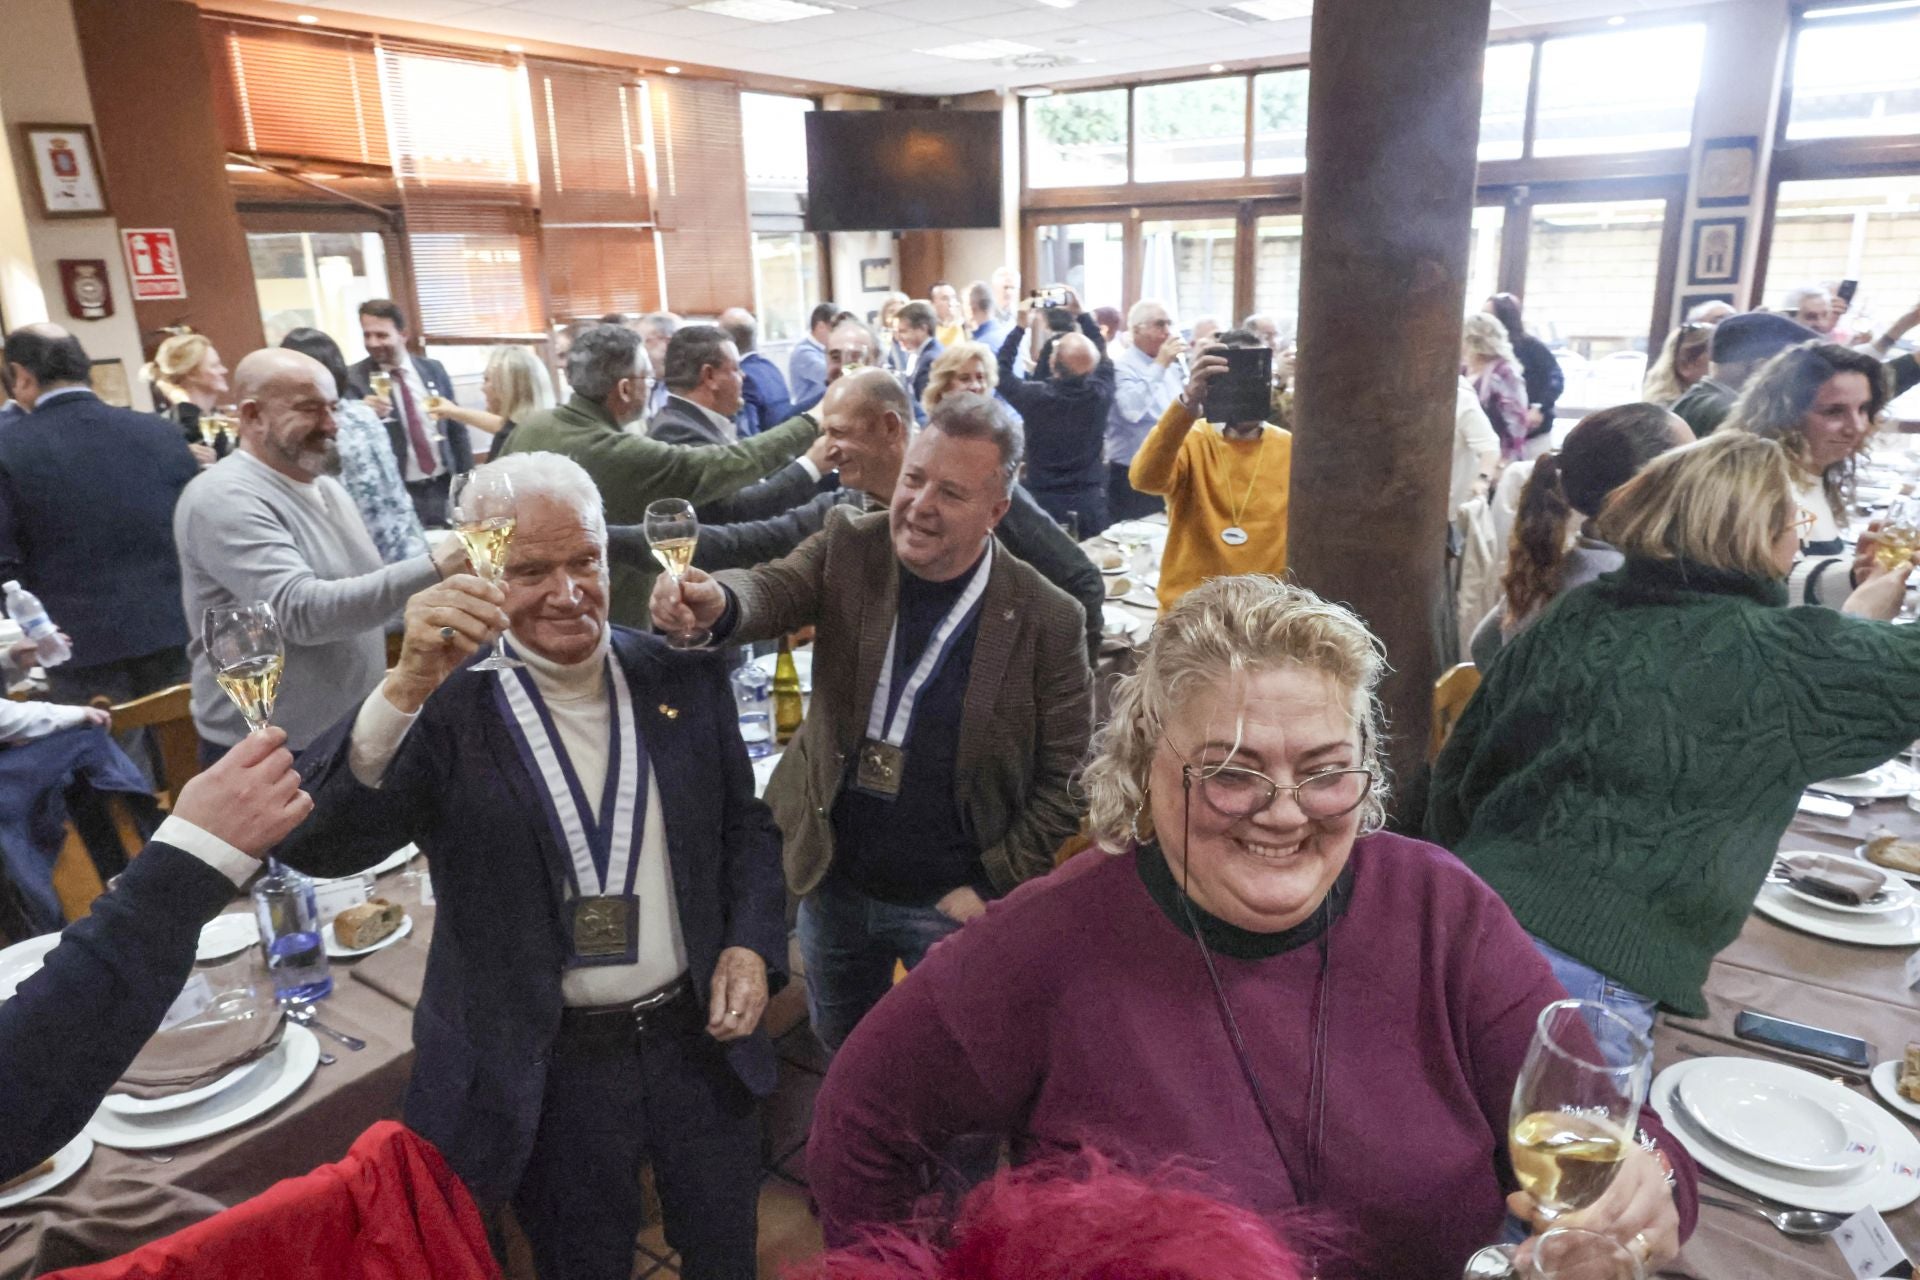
(1028, 710)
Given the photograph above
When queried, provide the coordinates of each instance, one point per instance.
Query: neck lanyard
(892, 712)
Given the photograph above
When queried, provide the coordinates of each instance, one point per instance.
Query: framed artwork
(876, 274)
(66, 170)
(109, 380)
(1715, 257)
(1726, 172)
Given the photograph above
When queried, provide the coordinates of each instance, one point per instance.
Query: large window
(1280, 122)
(1629, 90)
(1276, 268)
(1503, 101)
(1077, 139)
(774, 127)
(1865, 229)
(1855, 74)
(786, 279)
(1483, 254)
(317, 280)
(1187, 263)
(1087, 256)
(1592, 272)
(1190, 129)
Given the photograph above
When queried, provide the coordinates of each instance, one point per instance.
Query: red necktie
(422, 449)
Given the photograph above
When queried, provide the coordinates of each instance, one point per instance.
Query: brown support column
(1392, 125)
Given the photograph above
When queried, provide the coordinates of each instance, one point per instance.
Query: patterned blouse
(368, 472)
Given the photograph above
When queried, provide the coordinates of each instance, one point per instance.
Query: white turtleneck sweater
(576, 697)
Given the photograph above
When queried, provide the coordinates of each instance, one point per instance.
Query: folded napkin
(1837, 879)
(200, 1051)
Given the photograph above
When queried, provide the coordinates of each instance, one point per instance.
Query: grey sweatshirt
(247, 533)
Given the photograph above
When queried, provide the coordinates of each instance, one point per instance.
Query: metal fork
(306, 1018)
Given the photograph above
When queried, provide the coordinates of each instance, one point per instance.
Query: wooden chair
(1451, 693)
(169, 716)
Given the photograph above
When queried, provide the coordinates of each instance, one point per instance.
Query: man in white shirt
(1148, 375)
(611, 913)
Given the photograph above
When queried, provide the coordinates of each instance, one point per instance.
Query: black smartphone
(1815, 1042)
(1243, 391)
(1846, 290)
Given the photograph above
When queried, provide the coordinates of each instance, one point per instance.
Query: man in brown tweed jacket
(951, 706)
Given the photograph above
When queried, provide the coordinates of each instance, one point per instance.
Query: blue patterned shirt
(371, 477)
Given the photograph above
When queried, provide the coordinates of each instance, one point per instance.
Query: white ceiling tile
(1022, 24)
(969, 14)
(687, 22)
(571, 11)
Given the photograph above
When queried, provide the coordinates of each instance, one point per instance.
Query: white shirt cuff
(807, 465)
(209, 848)
(378, 731)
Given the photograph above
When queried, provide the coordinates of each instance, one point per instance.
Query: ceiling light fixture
(1033, 91)
(763, 10)
(672, 71)
(1275, 10)
(307, 19)
(1616, 21)
(980, 50)
(1058, 4)
(514, 48)
(1217, 67)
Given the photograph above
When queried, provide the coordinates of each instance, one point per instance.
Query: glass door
(1088, 257)
(1594, 271)
(1188, 264)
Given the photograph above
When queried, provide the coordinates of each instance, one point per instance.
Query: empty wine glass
(480, 506)
(1576, 1103)
(246, 653)
(673, 530)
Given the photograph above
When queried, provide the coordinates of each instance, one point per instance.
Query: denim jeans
(849, 942)
(1584, 982)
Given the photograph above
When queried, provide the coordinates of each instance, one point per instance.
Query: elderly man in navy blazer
(611, 912)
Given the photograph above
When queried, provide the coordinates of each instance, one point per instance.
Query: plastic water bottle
(753, 689)
(31, 616)
(291, 932)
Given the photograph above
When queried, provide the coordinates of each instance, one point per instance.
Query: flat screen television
(902, 170)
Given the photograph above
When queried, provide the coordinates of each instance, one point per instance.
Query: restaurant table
(1857, 990)
(123, 1199)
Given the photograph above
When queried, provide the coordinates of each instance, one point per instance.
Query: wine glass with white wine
(673, 530)
(1576, 1103)
(480, 506)
(246, 653)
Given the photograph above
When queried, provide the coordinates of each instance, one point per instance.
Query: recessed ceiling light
(514, 48)
(1034, 91)
(762, 10)
(672, 71)
(307, 19)
(1217, 67)
(980, 50)
(1058, 4)
(1276, 10)
(1616, 21)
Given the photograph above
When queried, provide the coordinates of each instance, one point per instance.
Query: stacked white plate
(67, 1161)
(1122, 624)
(22, 960)
(1892, 922)
(1789, 1135)
(241, 1096)
(227, 935)
(1890, 780)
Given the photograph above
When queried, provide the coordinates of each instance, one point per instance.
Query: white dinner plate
(1106, 557)
(281, 1074)
(67, 1161)
(1895, 929)
(1860, 852)
(1890, 1181)
(1889, 780)
(338, 952)
(802, 664)
(22, 960)
(1790, 1123)
(1886, 1083)
(227, 935)
(1118, 622)
(1142, 596)
(127, 1105)
(1897, 896)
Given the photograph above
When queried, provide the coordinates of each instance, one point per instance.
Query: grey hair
(979, 297)
(966, 416)
(1484, 335)
(663, 323)
(692, 348)
(601, 357)
(1224, 628)
(1137, 313)
(555, 476)
(1801, 293)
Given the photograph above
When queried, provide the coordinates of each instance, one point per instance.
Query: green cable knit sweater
(1624, 776)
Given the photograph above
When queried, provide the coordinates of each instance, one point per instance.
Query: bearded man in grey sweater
(270, 523)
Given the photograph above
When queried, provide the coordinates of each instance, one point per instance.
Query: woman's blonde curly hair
(1221, 629)
(944, 377)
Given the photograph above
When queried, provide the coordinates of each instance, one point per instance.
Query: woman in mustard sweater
(1225, 484)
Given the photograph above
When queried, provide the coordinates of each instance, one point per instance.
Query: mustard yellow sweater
(1206, 480)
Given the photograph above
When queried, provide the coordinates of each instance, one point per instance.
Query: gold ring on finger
(1641, 1245)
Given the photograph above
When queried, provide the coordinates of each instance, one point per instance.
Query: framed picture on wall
(66, 170)
(1717, 243)
(1726, 171)
(876, 274)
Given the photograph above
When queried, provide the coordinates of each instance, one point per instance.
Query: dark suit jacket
(490, 1008)
(456, 449)
(1028, 709)
(1065, 418)
(764, 399)
(86, 523)
(922, 369)
(681, 422)
(76, 1025)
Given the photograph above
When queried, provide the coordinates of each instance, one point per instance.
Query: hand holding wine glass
(673, 530)
(480, 504)
(445, 625)
(246, 653)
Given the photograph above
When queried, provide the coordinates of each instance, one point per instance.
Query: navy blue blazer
(75, 1026)
(484, 1028)
(764, 400)
(456, 448)
(86, 523)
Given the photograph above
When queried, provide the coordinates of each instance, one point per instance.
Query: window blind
(597, 238)
(303, 95)
(701, 195)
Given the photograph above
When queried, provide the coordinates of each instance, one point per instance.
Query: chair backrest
(1451, 693)
(170, 716)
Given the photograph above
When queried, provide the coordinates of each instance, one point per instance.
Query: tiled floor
(788, 1232)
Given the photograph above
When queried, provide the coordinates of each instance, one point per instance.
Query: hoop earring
(1133, 822)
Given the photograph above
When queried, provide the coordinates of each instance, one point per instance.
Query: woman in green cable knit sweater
(1625, 774)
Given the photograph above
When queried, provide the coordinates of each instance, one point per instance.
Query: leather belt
(671, 1008)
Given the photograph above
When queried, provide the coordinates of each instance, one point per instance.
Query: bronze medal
(880, 769)
(606, 929)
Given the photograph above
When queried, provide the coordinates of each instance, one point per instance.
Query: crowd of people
(913, 494)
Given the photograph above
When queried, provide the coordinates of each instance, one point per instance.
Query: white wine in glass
(1576, 1103)
(673, 530)
(480, 507)
(247, 655)
(382, 384)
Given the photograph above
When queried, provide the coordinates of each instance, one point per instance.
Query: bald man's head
(1074, 356)
(865, 418)
(286, 401)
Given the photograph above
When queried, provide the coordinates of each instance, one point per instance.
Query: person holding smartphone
(1223, 469)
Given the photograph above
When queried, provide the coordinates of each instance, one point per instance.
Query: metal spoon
(1793, 1222)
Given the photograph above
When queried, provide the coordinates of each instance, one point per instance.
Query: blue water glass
(753, 689)
(290, 932)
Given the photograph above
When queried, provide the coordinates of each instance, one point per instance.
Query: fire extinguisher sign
(153, 264)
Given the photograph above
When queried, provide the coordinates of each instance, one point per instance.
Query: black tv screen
(902, 170)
